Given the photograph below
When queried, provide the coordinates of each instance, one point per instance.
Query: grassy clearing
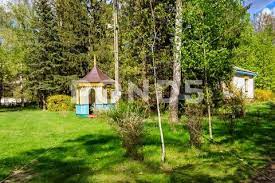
(56, 147)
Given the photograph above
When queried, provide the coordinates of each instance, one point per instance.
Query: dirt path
(273, 172)
(21, 176)
(269, 174)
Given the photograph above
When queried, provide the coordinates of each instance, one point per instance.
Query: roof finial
(94, 60)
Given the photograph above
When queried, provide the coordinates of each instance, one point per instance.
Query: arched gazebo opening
(91, 100)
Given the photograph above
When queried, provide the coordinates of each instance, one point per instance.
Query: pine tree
(82, 32)
(73, 29)
(45, 61)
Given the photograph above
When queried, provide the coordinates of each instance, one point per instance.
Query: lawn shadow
(255, 132)
(67, 162)
(46, 165)
(190, 173)
(18, 108)
(172, 137)
(81, 159)
(257, 128)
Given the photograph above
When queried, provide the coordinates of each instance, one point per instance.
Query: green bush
(233, 107)
(233, 104)
(57, 103)
(263, 95)
(194, 114)
(128, 119)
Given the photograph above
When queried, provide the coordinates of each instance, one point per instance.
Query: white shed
(244, 80)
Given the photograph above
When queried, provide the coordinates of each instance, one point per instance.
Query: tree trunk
(1, 82)
(209, 111)
(22, 92)
(207, 94)
(115, 17)
(1, 91)
(44, 104)
(174, 100)
(163, 153)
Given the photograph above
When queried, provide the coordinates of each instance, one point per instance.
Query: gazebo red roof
(97, 76)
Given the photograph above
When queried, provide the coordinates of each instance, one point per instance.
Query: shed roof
(242, 71)
(97, 76)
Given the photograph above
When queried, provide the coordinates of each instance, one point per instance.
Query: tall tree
(146, 47)
(82, 28)
(116, 45)
(23, 15)
(263, 20)
(215, 28)
(15, 33)
(174, 102)
(163, 153)
(73, 29)
(136, 35)
(257, 53)
(3, 68)
(3, 71)
(45, 62)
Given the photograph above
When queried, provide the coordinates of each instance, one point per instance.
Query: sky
(258, 5)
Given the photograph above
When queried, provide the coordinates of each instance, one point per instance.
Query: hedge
(264, 95)
(59, 103)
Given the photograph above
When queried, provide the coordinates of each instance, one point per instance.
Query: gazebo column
(101, 97)
(77, 96)
(82, 107)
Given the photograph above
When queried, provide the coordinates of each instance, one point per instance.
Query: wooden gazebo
(94, 92)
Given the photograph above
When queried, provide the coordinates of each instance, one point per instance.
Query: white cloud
(266, 11)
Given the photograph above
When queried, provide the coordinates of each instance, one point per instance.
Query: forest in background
(46, 45)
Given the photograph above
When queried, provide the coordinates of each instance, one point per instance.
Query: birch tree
(208, 45)
(174, 101)
(155, 81)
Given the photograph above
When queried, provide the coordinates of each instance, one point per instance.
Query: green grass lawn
(39, 146)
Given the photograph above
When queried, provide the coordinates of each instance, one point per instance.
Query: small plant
(194, 114)
(59, 103)
(233, 108)
(234, 103)
(128, 119)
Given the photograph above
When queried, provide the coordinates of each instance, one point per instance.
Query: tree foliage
(16, 36)
(67, 34)
(46, 60)
(257, 53)
(213, 27)
(51, 43)
(136, 38)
